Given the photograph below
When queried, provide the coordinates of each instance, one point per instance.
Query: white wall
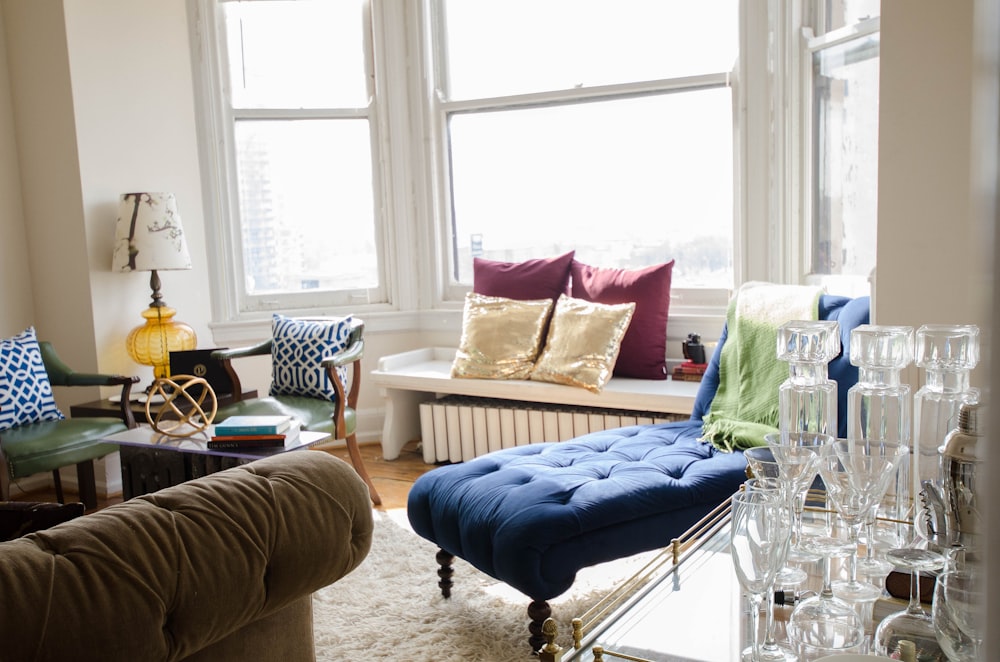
(934, 252)
(134, 114)
(16, 300)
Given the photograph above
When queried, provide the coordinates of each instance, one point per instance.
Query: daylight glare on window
(659, 186)
(637, 176)
(523, 46)
(301, 201)
(305, 54)
(845, 84)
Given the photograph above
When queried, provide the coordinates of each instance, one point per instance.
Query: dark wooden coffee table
(151, 460)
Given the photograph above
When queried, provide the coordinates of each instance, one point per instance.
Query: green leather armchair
(338, 418)
(38, 447)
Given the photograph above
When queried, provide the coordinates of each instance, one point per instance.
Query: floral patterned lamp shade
(149, 237)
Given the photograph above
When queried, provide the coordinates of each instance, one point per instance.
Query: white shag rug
(390, 607)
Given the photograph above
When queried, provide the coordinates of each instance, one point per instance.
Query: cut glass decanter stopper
(807, 400)
(947, 353)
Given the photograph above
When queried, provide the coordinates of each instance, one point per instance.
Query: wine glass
(824, 624)
(762, 464)
(913, 623)
(759, 535)
(857, 475)
(958, 614)
(770, 650)
(797, 455)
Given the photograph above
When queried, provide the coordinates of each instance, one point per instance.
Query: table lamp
(149, 237)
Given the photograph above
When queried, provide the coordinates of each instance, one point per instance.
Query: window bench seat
(421, 376)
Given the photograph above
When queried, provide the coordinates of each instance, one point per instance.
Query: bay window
(359, 154)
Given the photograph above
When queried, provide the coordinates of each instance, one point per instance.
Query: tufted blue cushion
(532, 516)
(297, 348)
(25, 391)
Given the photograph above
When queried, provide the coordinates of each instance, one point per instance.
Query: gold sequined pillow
(500, 337)
(583, 343)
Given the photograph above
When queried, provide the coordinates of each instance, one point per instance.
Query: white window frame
(807, 44)
(231, 301)
(436, 111)
(771, 182)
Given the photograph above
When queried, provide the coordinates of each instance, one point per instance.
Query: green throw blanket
(745, 407)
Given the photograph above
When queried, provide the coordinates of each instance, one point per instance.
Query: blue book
(240, 425)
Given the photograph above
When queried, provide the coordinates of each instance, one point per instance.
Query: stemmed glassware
(958, 612)
(770, 650)
(759, 535)
(762, 465)
(797, 455)
(824, 624)
(870, 565)
(807, 408)
(913, 623)
(856, 476)
(879, 405)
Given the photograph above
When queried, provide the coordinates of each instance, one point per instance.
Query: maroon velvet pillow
(532, 279)
(644, 348)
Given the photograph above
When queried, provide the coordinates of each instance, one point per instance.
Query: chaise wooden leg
(359, 466)
(445, 571)
(538, 611)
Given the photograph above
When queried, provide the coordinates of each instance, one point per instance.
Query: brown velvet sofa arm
(169, 574)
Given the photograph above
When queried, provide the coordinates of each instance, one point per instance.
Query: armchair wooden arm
(61, 374)
(350, 354)
(226, 356)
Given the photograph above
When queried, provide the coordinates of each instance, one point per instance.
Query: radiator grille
(458, 428)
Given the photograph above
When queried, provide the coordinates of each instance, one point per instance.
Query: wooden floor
(392, 479)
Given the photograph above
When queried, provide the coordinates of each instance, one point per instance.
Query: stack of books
(249, 432)
(689, 371)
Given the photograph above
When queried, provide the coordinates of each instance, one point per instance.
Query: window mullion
(596, 93)
(300, 113)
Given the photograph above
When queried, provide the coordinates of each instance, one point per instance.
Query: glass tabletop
(687, 605)
(690, 608)
(144, 436)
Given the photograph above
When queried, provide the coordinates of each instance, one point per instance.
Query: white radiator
(458, 428)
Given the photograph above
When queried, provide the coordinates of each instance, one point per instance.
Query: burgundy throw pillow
(532, 279)
(644, 348)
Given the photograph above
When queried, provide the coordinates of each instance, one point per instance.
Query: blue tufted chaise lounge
(532, 516)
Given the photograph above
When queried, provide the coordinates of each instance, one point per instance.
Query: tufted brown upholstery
(219, 568)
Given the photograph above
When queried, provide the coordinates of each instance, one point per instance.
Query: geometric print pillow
(297, 347)
(25, 391)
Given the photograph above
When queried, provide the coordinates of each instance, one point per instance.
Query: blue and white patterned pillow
(297, 348)
(25, 391)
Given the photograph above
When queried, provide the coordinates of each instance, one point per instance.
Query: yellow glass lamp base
(151, 343)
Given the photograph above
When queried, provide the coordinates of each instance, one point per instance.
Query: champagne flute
(770, 650)
(762, 465)
(759, 538)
